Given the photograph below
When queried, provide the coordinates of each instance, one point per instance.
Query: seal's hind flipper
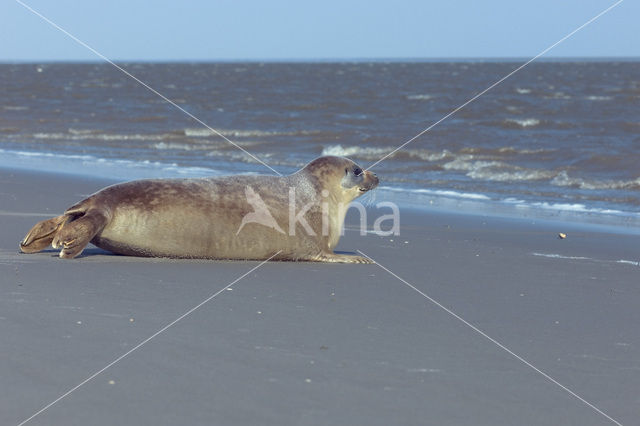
(74, 236)
(42, 234)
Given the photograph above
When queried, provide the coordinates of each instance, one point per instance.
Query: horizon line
(331, 60)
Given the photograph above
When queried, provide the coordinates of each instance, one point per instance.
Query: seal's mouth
(364, 189)
(371, 181)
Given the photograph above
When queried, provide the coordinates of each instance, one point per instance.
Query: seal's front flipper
(75, 235)
(42, 234)
(340, 258)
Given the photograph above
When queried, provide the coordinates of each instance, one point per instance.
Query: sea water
(558, 139)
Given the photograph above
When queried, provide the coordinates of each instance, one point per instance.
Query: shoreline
(421, 200)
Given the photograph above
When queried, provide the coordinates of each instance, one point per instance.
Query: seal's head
(342, 177)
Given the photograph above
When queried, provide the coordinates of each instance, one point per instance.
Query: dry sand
(321, 344)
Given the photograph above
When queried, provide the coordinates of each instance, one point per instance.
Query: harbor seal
(299, 216)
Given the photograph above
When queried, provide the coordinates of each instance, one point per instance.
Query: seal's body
(299, 216)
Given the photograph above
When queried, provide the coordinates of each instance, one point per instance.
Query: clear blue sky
(212, 30)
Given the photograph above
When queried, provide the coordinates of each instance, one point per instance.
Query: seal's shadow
(88, 252)
(95, 251)
(350, 253)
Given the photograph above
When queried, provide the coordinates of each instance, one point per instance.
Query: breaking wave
(563, 179)
(375, 153)
(90, 165)
(439, 192)
(200, 132)
(88, 135)
(419, 97)
(367, 153)
(521, 123)
(495, 170)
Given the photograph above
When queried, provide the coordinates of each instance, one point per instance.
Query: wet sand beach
(318, 344)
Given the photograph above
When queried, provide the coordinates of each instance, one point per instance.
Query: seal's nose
(374, 178)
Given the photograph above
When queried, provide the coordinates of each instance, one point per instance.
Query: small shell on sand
(562, 236)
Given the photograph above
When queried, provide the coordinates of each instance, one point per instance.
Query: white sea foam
(512, 200)
(439, 192)
(347, 151)
(94, 134)
(560, 256)
(575, 207)
(375, 153)
(173, 146)
(423, 97)
(31, 154)
(461, 162)
(513, 150)
(598, 98)
(82, 131)
(200, 132)
(473, 167)
(493, 170)
(79, 135)
(563, 179)
(523, 91)
(523, 122)
(90, 165)
(629, 262)
(558, 95)
(515, 174)
(341, 151)
(430, 156)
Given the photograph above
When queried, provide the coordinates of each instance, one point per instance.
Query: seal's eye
(357, 171)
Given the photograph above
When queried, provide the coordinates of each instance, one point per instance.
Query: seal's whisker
(374, 195)
(370, 198)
